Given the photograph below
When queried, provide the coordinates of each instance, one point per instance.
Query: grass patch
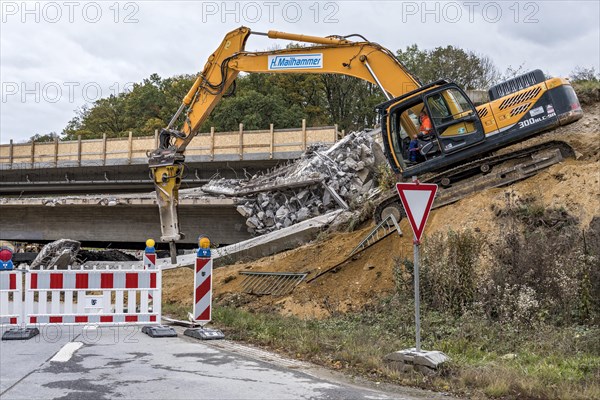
(488, 359)
(176, 310)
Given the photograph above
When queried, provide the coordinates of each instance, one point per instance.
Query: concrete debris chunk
(252, 222)
(322, 180)
(245, 211)
(326, 198)
(60, 253)
(281, 212)
(303, 214)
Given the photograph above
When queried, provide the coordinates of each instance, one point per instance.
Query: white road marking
(66, 352)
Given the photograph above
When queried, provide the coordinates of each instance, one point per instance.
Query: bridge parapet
(205, 147)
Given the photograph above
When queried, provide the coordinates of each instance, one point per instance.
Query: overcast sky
(58, 56)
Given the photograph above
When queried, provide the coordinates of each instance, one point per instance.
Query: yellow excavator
(462, 142)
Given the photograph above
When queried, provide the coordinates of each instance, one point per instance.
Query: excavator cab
(455, 122)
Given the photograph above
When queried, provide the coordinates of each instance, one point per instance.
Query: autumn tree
(48, 137)
(466, 68)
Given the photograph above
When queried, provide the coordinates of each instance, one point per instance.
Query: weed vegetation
(519, 316)
(588, 91)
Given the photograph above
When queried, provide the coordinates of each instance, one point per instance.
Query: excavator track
(484, 173)
(495, 160)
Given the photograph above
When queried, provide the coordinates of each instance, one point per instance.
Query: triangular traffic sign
(417, 199)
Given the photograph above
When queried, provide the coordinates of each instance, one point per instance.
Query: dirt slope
(573, 185)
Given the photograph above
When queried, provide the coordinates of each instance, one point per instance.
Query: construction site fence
(133, 149)
(80, 296)
(11, 295)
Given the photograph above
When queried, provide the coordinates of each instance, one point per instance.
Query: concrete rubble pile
(321, 180)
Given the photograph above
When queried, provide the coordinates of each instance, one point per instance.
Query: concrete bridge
(121, 165)
(117, 221)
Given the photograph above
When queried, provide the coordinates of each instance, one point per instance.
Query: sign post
(417, 200)
(417, 256)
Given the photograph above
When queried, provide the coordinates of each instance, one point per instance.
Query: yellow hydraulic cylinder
(306, 38)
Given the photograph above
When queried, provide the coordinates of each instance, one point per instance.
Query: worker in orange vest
(425, 129)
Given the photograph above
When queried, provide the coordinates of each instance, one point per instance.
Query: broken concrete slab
(60, 254)
(244, 211)
(271, 243)
(258, 247)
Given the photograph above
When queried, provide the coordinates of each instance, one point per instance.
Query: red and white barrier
(149, 260)
(88, 296)
(203, 289)
(11, 298)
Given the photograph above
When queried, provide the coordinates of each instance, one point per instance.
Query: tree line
(284, 100)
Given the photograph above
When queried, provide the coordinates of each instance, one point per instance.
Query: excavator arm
(327, 55)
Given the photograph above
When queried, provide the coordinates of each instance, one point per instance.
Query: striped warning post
(149, 260)
(203, 291)
(150, 255)
(10, 298)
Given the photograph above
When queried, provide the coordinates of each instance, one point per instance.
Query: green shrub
(588, 92)
(540, 270)
(449, 270)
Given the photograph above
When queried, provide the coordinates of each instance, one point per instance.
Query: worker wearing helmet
(425, 129)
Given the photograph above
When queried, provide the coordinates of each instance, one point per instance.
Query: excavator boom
(328, 55)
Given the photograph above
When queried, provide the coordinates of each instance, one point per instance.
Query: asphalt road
(105, 363)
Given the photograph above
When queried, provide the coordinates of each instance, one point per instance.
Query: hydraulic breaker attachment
(167, 180)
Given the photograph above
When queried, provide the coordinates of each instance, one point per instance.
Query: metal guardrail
(385, 227)
(271, 283)
(380, 232)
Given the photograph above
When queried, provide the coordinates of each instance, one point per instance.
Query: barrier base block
(20, 333)
(159, 331)
(204, 333)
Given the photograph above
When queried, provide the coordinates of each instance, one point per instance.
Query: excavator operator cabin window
(404, 125)
(399, 133)
(448, 106)
(396, 129)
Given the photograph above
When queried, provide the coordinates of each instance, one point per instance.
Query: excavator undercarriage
(485, 173)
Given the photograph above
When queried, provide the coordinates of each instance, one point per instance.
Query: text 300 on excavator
(463, 138)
